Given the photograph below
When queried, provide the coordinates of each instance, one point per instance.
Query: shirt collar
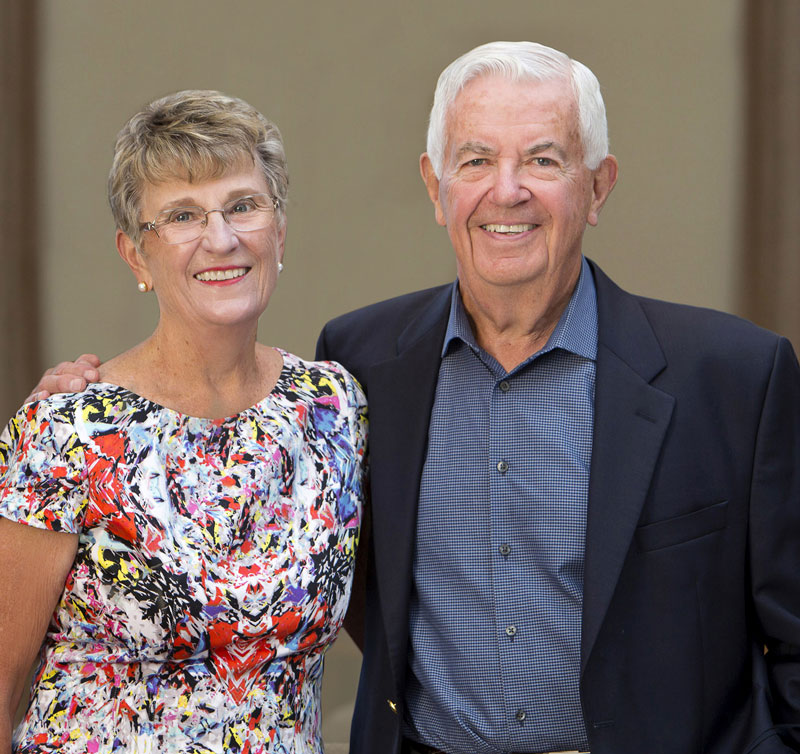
(575, 332)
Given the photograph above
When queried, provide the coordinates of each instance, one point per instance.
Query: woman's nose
(218, 234)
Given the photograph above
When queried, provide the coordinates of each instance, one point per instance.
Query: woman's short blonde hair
(193, 135)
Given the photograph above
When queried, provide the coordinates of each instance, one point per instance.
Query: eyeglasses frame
(206, 212)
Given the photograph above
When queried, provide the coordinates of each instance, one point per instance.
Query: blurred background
(704, 114)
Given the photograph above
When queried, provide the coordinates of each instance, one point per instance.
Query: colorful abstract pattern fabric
(213, 569)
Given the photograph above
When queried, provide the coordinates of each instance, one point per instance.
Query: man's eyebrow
(543, 147)
(474, 147)
(477, 147)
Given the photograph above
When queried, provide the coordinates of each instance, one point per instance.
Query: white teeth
(236, 272)
(493, 228)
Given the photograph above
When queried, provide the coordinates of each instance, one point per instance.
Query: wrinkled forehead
(504, 104)
(557, 92)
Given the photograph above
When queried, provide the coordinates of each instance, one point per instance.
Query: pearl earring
(280, 267)
(142, 286)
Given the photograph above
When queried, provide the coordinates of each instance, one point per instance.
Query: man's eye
(476, 162)
(543, 162)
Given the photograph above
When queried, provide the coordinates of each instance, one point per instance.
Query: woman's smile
(222, 275)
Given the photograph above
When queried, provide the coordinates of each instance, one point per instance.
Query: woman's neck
(214, 373)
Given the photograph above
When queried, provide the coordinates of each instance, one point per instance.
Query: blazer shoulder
(713, 331)
(399, 310)
(372, 333)
(692, 342)
(679, 329)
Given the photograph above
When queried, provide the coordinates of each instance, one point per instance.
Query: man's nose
(509, 188)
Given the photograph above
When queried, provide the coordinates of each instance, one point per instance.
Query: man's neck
(513, 323)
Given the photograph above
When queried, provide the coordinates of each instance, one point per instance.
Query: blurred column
(771, 202)
(20, 207)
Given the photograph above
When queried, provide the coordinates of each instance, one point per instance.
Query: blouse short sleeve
(357, 402)
(352, 455)
(42, 470)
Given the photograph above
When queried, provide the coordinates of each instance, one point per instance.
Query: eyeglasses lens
(244, 214)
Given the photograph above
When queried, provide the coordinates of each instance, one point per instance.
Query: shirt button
(502, 467)
(521, 715)
(511, 631)
(505, 550)
(504, 386)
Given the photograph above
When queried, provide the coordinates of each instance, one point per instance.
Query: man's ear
(605, 177)
(432, 185)
(133, 258)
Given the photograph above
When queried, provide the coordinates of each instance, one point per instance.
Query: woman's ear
(133, 258)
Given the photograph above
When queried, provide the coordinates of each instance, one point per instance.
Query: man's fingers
(89, 358)
(67, 377)
(63, 367)
(85, 367)
(40, 396)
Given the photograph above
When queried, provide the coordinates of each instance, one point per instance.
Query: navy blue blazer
(692, 562)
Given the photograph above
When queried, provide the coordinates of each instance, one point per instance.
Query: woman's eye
(242, 205)
(183, 216)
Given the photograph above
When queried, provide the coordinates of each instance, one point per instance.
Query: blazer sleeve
(774, 538)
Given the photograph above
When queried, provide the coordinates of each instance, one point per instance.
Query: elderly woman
(177, 542)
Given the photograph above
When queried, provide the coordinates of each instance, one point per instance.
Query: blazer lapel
(630, 423)
(401, 394)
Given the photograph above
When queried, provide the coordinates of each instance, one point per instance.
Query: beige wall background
(350, 85)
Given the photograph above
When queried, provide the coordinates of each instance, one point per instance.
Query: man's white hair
(521, 61)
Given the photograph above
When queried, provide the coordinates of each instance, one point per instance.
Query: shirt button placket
(502, 466)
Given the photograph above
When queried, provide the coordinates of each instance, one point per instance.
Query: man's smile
(508, 229)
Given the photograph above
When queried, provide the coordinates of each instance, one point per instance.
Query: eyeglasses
(182, 224)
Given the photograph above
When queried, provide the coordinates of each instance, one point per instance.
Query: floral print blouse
(213, 569)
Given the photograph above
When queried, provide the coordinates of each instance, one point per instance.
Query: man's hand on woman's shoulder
(67, 377)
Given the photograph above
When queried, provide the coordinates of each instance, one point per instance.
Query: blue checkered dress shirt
(495, 618)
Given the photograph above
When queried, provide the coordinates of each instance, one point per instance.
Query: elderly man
(585, 504)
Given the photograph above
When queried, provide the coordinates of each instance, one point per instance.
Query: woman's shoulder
(43, 455)
(99, 399)
(62, 414)
(333, 398)
(64, 408)
(322, 377)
